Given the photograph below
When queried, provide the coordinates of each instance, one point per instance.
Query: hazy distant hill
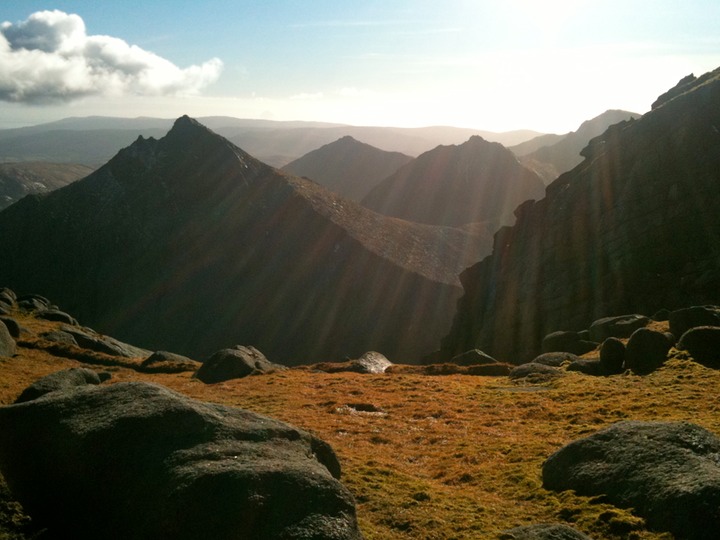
(20, 179)
(191, 244)
(552, 155)
(93, 140)
(632, 229)
(348, 167)
(477, 181)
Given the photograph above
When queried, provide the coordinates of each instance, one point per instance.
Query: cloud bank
(49, 58)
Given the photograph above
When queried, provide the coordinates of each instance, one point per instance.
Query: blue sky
(496, 65)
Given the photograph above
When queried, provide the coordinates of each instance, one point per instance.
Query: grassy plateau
(428, 457)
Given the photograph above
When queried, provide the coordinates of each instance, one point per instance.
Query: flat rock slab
(669, 472)
(136, 460)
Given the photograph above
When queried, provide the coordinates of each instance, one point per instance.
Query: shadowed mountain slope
(559, 156)
(348, 167)
(188, 242)
(632, 229)
(20, 179)
(477, 181)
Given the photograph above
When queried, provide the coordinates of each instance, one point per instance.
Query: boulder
(555, 359)
(89, 339)
(646, 351)
(7, 343)
(682, 320)
(621, 326)
(33, 302)
(473, 357)
(372, 362)
(7, 298)
(661, 315)
(136, 460)
(12, 325)
(612, 355)
(56, 315)
(544, 531)
(58, 336)
(668, 472)
(703, 344)
(167, 362)
(533, 369)
(235, 363)
(62, 380)
(567, 341)
(588, 366)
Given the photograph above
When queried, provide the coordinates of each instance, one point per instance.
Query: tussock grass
(451, 457)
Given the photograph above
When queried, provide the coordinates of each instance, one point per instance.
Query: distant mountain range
(348, 167)
(190, 243)
(20, 179)
(551, 155)
(632, 229)
(94, 140)
(474, 182)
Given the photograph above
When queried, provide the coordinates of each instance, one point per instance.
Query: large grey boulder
(669, 472)
(612, 355)
(136, 460)
(7, 343)
(567, 341)
(682, 320)
(62, 380)
(87, 338)
(372, 362)
(227, 364)
(168, 362)
(555, 359)
(621, 326)
(703, 344)
(646, 350)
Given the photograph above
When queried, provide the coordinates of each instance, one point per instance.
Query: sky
(491, 65)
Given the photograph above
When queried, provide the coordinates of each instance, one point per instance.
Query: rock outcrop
(667, 471)
(7, 343)
(630, 230)
(135, 460)
(236, 363)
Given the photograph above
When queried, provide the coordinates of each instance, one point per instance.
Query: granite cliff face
(632, 229)
(188, 242)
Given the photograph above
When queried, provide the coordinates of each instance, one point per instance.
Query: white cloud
(49, 58)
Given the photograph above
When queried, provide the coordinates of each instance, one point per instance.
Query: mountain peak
(188, 126)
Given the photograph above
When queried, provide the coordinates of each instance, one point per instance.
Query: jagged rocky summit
(632, 229)
(189, 243)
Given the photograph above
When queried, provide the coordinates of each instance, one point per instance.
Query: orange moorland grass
(446, 457)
